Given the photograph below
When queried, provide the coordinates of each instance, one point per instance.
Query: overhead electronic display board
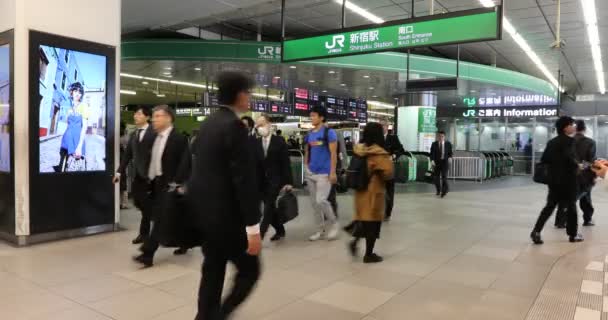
(450, 28)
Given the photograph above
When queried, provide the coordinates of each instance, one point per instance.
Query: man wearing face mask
(276, 175)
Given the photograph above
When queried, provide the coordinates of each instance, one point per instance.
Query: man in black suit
(560, 157)
(394, 147)
(585, 149)
(138, 151)
(276, 174)
(225, 196)
(169, 168)
(441, 153)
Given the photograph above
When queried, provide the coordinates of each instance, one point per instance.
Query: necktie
(139, 137)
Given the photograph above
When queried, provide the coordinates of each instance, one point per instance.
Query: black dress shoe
(277, 237)
(560, 226)
(443, 195)
(387, 218)
(145, 260)
(139, 240)
(438, 193)
(577, 238)
(372, 258)
(588, 224)
(535, 236)
(180, 251)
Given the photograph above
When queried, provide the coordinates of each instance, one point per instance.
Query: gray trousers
(319, 188)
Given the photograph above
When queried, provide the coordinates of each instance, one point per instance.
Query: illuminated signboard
(499, 112)
(301, 94)
(523, 100)
(449, 28)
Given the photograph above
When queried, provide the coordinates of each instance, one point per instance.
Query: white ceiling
(309, 16)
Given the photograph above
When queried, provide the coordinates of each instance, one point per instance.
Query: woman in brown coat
(369, 204)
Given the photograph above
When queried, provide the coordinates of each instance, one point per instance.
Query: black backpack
(357, 177)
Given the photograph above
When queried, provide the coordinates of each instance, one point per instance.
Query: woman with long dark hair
(73, 140)
(369, 204)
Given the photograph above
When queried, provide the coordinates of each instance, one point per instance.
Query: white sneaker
(317, 236)
(334, 232)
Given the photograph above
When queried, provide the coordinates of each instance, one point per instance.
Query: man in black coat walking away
(441, 153)
(560, 158)
(395, 149)
(585, 153)
(225, 196)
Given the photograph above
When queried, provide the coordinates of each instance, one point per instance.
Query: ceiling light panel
(590, 14)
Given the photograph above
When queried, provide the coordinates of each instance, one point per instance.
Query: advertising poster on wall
(72, 127)
(427, 127)
(5, 91)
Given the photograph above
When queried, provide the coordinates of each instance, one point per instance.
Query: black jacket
(223, 187)
(176, 160)
(393, 145)
(436, 155)
(585, 148)
(276, 165)
(563, 166)
(139, 153)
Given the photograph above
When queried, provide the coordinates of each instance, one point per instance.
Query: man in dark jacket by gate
(560, 157)
(585, 153)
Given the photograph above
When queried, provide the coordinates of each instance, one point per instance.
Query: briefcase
(176, 222)
(287, 207)
(541, 173)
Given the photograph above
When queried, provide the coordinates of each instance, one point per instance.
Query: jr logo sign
(269, 52)
(469, 113)
(336, 41)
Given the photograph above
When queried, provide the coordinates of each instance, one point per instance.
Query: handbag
(287, 206)
(429, 176)
(176, 222)
(541, 173)
(75, 165)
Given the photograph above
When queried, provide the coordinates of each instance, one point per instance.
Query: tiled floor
(464, 257)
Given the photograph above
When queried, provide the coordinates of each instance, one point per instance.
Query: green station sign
(450, 28)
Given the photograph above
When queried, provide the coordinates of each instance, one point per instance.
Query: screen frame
(8, 225)
(93, 204)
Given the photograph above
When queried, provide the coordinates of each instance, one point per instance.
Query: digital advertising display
(5, 108)
(72, 123)
(72, 107)
(441, 29)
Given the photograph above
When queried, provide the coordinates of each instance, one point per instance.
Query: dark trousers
(63, 158)
(210, 306)
(151, 244)
(584, 202)
(441, 176)
(332, 198)
(389, 198)
(141, 189)
(271, 216)
(566, 201)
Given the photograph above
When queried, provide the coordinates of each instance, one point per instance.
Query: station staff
(441, 153)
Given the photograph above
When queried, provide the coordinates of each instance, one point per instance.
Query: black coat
(176, 160)
(223, 187)
(393, 145)
(585, 148)
(560, 157)
(436, 155)
(276, 165)
(138, 152)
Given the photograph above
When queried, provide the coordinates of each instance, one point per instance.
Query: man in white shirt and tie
(137, 153)
(169, 167)
(441, 153)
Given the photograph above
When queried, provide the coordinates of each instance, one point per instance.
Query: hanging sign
(449, 28)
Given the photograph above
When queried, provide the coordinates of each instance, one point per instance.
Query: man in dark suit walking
(138, 151)
(169, 168)
(225, 196)
(276, 175)
(394, 147)
(585, 149)
(560, 158)
(441, 153)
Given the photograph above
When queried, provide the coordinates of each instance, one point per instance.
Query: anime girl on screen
(73, 140)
